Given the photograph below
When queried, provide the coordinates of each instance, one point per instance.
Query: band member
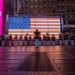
(3, 40)
(16, 40)
(20, 40)
(53, 39)
(48, 40)
(44, 39)
(66, 39)
(25, 40)
(39, 40)
(33, 40)
(71, 39)
(37, 34)
(60, 39)
(10, 40)
(30, 40)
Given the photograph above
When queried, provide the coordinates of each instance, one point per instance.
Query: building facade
(7, 10)
(62, 8)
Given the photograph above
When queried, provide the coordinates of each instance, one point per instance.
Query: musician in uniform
(16, 40)
(10, 40)
(47, 39)
(44, 39)
(53, 39)
(30, 40)
(66, 37)
(26, 40)
(71, 39)
(39, 40)
(37, 34)
(20, 40)
(60, 39)
(3, 40)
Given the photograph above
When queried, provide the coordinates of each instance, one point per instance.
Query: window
(49, 5)
(53, 5)
(31, 6)
(72, 10)
(22, 1)
(72, 5)
(62, 5)
(62, 0)
(44, 1)
(63, 16)
(68, 5)
(40, 6)
(44, 6)
(64, 22)
(35, 6)
(72, 0)
(53, 0)
(58, 0)
(63, 11)
(35, 0)
(49, 0)
(53, 11)
(68, 0)
(59, 11)
(68, 10)
(26, 12)
(58, 5)
(71, 21)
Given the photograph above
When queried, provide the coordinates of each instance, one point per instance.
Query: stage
(45, 60)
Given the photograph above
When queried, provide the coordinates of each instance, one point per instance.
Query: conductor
(37, 36)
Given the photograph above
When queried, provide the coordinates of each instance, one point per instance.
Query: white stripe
(44, 23)
(45, 26)
(43, 20)
(32, 33)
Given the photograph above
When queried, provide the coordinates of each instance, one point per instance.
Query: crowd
(64, 39)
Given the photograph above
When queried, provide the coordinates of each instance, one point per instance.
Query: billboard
(22, 25)
(1, 8)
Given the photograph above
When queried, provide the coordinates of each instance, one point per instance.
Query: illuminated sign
(1, 8)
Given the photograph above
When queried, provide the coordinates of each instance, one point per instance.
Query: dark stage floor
(45, 60)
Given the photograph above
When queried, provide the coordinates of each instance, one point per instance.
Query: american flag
(23, 25)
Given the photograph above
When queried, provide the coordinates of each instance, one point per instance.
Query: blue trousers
(37, 42)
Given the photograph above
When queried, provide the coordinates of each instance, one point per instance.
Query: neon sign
(1, 8)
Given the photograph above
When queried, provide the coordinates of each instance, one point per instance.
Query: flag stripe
(55, 29)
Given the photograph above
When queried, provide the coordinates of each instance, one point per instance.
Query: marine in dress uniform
(10, 40)
(3, 40)
(16, 40)
(20, 40)
(44, 40)
(39, 40)
(60, 39)
(25, 40)
(66, 37)
(71, 39)
(30, 40)
(47, 40)
(53, 39)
